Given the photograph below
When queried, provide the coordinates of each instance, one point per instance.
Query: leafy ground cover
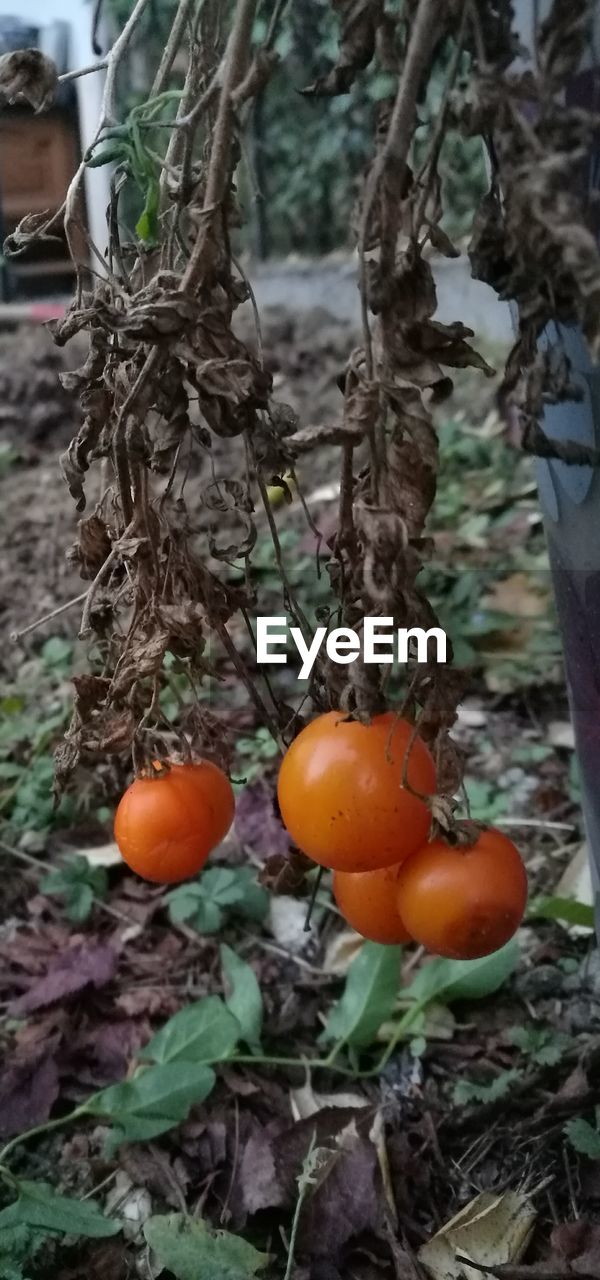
(196, 1084)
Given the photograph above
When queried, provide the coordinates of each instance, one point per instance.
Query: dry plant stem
(67, 76)
(179, 150)
(240, 667)
(107, 117)
(109, 114)
(48, 617)
(171, 47)
(299, 613)
(346, 539)
(85, 628)
(191, 119)
(236, 59)
(439, 130)
(508, 1272)
(280, 7)
(395, 150)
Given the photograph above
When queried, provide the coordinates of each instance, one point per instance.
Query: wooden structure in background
(38, 157)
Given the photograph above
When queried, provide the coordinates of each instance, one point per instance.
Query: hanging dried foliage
(166, 374)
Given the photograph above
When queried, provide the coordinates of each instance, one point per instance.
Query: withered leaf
(93, 547)
(144, 658)
(76, 460)
(286, 873)
(116, 732)
(360, 20)
(70, 973)
(447, 344)
(260, 1183)
(562, 38)
(185, 623)
(90, 693)
(33, 228)
(313, 437)
(412, 475)
(578, 1245)
(347, 1202)
(28, 75)
(28, 1091)
(414, 291)
(442, 242)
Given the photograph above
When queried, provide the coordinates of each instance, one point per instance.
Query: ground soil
(438, 1155)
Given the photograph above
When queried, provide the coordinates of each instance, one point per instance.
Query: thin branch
(509, 1272)
(235, 64)
(244, 674)
(107, 117)
(108, 112)
(423, 34)
(67, 76)
(439, 129)
(278, 11)
(48, 617)
(171, 47)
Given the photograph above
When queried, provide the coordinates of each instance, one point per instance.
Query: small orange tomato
(216, 792)
(367, 901)
(341, 795)
(463, 902)
(166, 825)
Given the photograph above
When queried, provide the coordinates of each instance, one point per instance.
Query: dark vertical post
(570, 499)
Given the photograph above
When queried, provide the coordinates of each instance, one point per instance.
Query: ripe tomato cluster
(354, 798)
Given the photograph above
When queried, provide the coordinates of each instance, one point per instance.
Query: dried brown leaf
(28, 75)
(360, 20)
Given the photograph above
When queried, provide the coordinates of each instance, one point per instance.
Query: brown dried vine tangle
(166, 373)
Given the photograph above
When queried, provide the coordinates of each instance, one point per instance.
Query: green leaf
(147, 224)
(79, 884)
(18, 1247)
(12, 704)
(191, 1250)
(203, 903)
(9, 771)
(110, 154)
(566, 909)
(583, 1137)
(471, 1091)
(417, 1046)
(544, 1045)
(56, 652)
(244, 1000)
(80, 904)
(189, 904)
(369, 996)
(201, 1032)
(152, 1102)
(39, 1205)
(449, 980)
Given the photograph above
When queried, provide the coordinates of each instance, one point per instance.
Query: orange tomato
(367, 901)
(341, 795)
(166, 825)
(463, 902)
(216, 792)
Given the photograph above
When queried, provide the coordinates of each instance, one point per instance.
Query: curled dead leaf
(490, 1230)
(27, 75)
